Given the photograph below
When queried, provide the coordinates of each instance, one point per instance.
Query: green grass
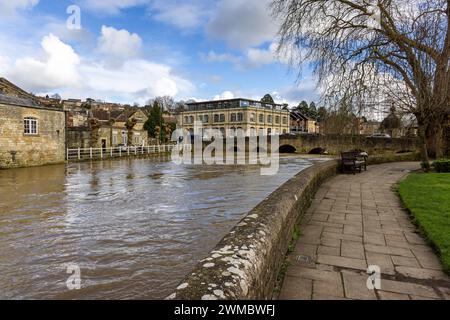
(427, 196)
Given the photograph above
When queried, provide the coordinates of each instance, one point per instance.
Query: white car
(380, 135)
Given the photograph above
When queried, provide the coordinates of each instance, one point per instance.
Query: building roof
(296, 115)
(231, 100)
(7, 99)
(13, 95)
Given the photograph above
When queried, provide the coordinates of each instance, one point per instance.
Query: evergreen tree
(267, 99)
(155, 120)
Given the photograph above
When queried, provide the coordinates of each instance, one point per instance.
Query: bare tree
(167, 103)
(359, 47)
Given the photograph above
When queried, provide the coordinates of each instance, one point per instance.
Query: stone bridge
(334, 144)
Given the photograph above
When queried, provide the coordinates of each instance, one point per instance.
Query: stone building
(230, 115)
(31, 133)
(299, 123)
(106, 129)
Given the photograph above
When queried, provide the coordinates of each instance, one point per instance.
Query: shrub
(442, 165)
(425, 166)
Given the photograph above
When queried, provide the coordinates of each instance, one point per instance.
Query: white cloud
(242, 23)
(224, 96)
(251, 59)
(111, 7)
(62, 71)
(119, 45)
(58, 68)
(212, 56)
(259, 57)
(10, 8)
(179, 13)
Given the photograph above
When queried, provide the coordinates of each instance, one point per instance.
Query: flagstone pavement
(357, 221)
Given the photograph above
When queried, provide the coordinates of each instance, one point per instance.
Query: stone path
(355, 222)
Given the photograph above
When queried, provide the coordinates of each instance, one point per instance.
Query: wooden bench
(354, 161)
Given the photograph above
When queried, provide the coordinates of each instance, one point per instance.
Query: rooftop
(232, 103)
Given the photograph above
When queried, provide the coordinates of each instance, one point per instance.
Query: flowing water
(135, 227)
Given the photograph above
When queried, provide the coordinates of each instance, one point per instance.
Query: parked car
(380, 135)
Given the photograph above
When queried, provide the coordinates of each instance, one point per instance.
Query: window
(114, 139)
(233, 117)
(206, 118)
(222, 118)
(124, 138)
(269, 131)
(252, 117)
(284, 131)
(240, 117)
(269, 119)
(261, 118)
(244, 103)
(186, 119)
(191, 119)
(216, 118)
(200, 118)
(30, 126)
(277, 119)
(285, 121)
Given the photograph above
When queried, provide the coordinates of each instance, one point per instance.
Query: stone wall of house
(78, 137)
(20, 150)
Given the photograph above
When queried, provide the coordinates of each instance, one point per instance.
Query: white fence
(104, 153)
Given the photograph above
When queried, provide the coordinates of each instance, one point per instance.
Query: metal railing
(115, 152)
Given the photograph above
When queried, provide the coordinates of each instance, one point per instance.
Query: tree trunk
(130, 137)
(434, 134)
(423, 144)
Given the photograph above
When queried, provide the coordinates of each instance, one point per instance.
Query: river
(134, 227)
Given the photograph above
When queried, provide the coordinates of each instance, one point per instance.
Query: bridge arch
(318, 150)
(287, 148)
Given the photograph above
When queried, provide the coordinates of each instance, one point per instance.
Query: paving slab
(357, 221)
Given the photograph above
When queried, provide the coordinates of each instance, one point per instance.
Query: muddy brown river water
(135, 227)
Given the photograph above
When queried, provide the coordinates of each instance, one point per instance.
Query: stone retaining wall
(246, 262)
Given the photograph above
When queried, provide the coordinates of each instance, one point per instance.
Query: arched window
(30, 126)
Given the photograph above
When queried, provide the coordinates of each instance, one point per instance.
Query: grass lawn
(427, 196)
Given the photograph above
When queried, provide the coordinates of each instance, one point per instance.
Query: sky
(129, 51)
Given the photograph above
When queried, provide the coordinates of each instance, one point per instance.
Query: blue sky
(132, 50)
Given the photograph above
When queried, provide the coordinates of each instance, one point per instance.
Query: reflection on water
(135, 227)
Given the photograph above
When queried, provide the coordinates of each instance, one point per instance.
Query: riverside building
(228, 116)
